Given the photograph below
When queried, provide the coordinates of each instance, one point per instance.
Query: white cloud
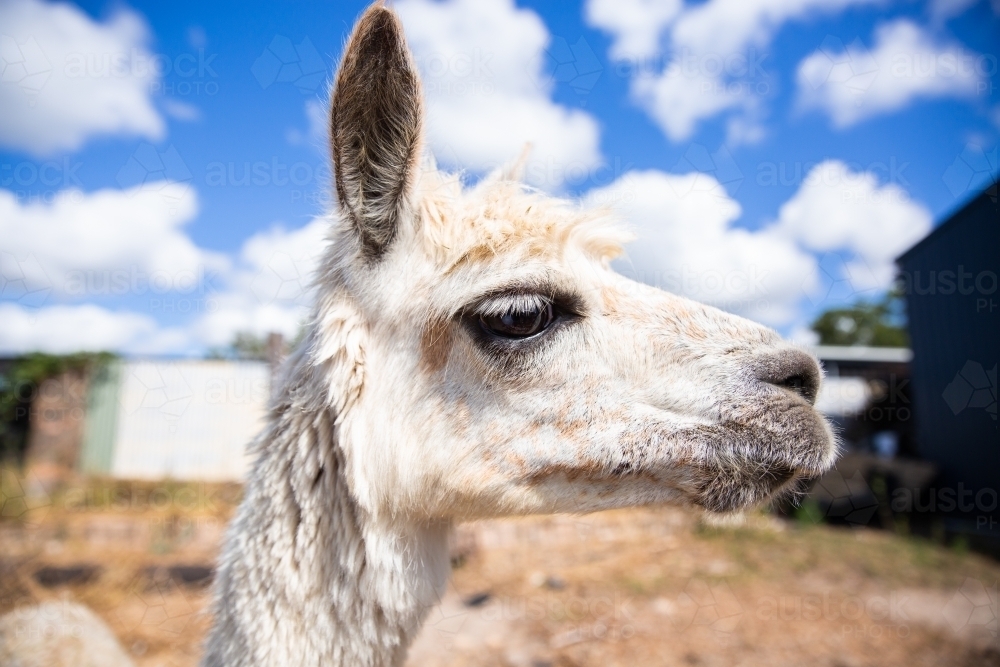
(83, 328)
(487, 95)
(678, 101)
(270, 290)
(109, 242)
(66, 77)
(851, 84)
(728, 26)
(835, 239)
(181, 110)
(837, 209)
(710, 61)
(745, 130)
(131, 245)
(635, 25)
(687, 243)
(267, 290)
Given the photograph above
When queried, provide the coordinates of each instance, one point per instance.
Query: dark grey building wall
(950, 280)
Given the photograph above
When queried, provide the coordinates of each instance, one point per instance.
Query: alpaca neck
(308, 576)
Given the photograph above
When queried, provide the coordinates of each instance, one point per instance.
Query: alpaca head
(484, 359)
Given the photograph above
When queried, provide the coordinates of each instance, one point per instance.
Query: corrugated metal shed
(866, 395)
(950, 282)
(102, 419)
(189, 420)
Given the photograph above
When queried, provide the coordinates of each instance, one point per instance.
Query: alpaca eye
(519, 321)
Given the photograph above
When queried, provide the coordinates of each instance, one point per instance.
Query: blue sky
(771, 155)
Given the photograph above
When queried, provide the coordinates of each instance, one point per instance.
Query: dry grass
(637, 587)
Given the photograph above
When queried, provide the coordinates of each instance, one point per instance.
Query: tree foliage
(880, 323)
(19, 384)
(245, 346)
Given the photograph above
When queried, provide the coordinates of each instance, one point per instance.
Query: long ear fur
(375, 123)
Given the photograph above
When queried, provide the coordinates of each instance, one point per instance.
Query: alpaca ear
(514, 171)
(375, 128)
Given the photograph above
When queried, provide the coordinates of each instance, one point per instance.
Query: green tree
(19, 382)
(245, 346)
(879, 323)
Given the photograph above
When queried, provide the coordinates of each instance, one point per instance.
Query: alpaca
(471, 354)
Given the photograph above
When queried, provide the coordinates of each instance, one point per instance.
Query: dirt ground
(636, 587)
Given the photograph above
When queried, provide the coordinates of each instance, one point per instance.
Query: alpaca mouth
(730, 488)
(752, 464)
(723, 467)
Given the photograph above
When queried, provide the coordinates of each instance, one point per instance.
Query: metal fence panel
(188, 420)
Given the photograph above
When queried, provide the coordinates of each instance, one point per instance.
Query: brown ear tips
(381, 21)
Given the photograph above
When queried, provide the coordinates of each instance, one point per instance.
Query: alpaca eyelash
(512, 303)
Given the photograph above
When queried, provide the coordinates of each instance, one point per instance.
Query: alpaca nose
(793, 370)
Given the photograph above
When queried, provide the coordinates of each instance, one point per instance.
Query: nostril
(792, 370)
(796, 383)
